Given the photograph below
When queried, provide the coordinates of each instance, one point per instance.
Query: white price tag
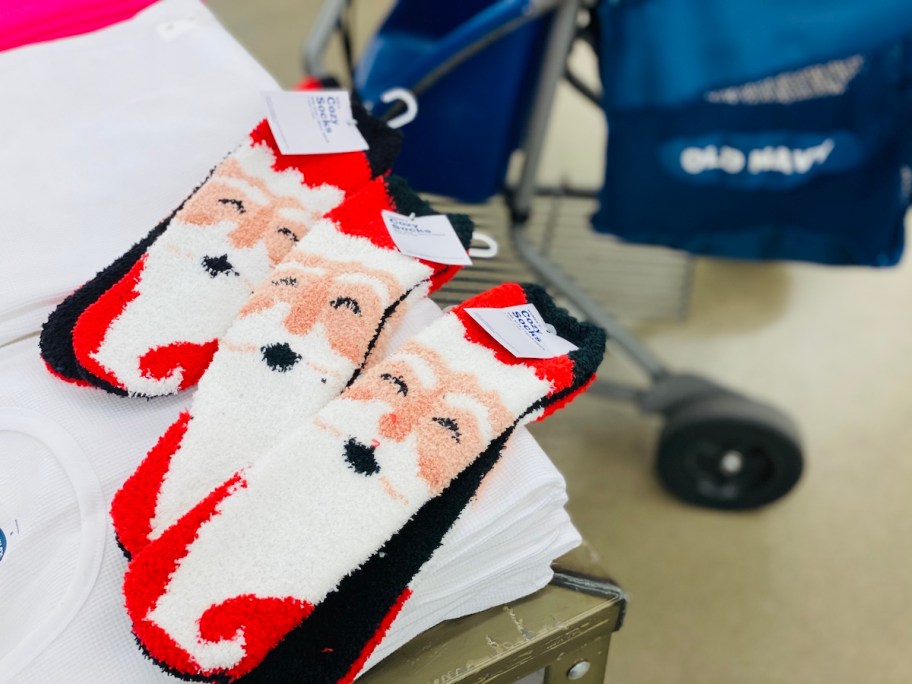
(313, 122)
(432, 238)
(522, 332)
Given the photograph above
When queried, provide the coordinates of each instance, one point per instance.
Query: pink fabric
(31, 21)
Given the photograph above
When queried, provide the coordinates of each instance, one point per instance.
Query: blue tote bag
(759, 129)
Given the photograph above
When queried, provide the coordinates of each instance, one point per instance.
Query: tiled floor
(814, 589)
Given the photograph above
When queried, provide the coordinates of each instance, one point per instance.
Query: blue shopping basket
(759, 129)
(756, 129)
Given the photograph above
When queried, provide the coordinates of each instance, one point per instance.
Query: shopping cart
(485, 74)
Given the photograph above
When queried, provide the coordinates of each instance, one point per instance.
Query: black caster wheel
(726, 451)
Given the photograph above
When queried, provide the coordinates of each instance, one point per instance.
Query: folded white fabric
(145, 107)
(97, 432)
(506, 547)
(64, 553)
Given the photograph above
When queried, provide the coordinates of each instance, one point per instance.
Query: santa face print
(324, 312)
(255, 212)
(430, 422)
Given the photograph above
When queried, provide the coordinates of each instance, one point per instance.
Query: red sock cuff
(346, 170)
(361, 215)
(568, 373)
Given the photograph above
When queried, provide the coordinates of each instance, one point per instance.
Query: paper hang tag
(431, 238)
(313, 122)
(522, 331)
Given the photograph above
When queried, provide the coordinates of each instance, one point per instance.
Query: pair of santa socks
(293, 565)
(148, 324)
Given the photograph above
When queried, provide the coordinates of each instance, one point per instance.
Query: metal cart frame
(718, 448)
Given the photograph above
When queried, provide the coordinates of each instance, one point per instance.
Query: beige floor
(815, 589)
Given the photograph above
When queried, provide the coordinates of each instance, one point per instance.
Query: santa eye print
(216, 266)
(347, 302)
(290, 281)
(236, 203)
(401, 386)
(450, 425)
(287, 232)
